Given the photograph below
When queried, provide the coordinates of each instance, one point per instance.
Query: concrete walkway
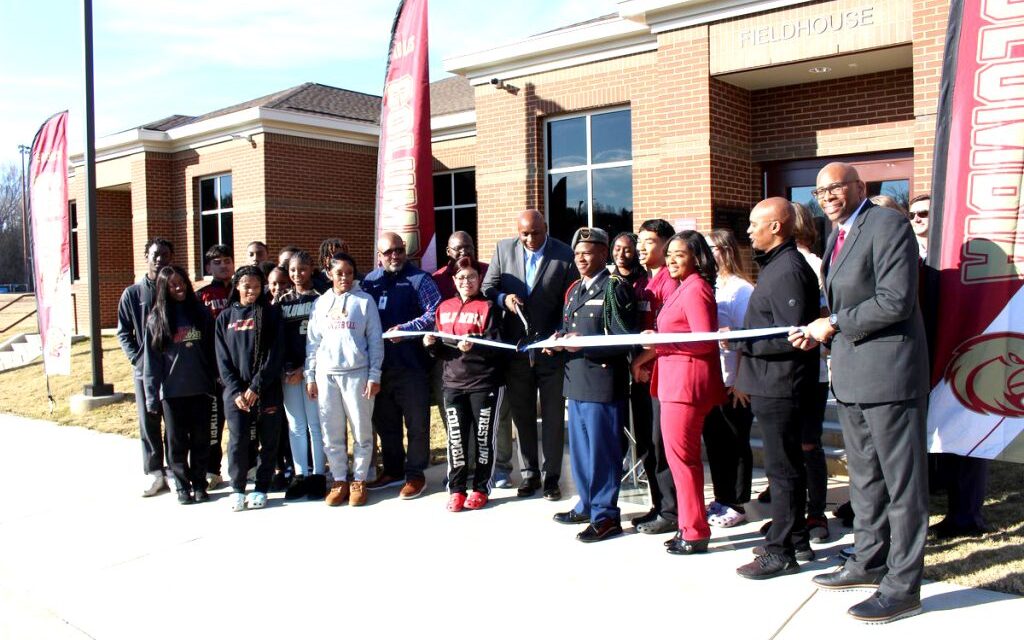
(83, 556)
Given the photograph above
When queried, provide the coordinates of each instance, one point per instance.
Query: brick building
(687, 110)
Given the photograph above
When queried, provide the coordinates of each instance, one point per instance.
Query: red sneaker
(456, 501)
(476, 500)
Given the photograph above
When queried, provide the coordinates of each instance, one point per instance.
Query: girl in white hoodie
(344, 351)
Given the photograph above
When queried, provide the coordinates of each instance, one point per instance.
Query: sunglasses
(395, 251)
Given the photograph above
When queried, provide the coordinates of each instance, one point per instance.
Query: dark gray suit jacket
(880, 353)
(507, 274)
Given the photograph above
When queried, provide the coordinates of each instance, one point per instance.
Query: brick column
(929, 33)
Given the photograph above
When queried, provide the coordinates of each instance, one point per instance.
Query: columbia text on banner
(48, 190)
(975, 266)
(405, 187)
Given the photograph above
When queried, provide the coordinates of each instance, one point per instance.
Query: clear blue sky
(154, 59)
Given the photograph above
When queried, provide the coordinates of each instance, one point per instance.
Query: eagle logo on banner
(986, 374)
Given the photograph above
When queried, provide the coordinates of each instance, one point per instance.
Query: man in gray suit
(528, 277)
(880, 379)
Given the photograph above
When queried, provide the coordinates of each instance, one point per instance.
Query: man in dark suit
(596, 386)
(528, 277)
(880, 379)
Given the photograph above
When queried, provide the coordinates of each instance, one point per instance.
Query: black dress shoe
(879, 609)
(600, 530)
(946, 530)
(680, 547)
(570, 517)
(201, 496)
(551, 490)
(671, 541)
(647, 517)
(803, 555)
(185, 496)
(770, 565)
(528, 487)
(845, 580)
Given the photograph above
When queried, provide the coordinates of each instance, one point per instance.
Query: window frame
(216, 211)
(450, 209)
(76, 273)
(589, 167)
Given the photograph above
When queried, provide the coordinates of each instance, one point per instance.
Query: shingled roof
(450, 95)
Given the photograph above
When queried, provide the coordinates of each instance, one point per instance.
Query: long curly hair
(703, 259)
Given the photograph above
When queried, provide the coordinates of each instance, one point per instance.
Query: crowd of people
(290, 354)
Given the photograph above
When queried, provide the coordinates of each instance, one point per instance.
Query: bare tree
(12, 266)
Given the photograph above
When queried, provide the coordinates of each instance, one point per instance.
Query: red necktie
(840, 239)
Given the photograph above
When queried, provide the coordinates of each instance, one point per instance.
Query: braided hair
(259, 351)
(328, 248)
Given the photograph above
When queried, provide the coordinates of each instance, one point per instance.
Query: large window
(454, 207)
(590, 173)
(73, 239)
(215, 212)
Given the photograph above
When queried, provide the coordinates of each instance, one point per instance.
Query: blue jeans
(303, 426)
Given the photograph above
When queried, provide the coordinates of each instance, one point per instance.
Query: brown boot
(338, 494)
(357, 495)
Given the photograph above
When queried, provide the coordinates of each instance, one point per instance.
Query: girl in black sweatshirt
(249, 356)
(178, 375)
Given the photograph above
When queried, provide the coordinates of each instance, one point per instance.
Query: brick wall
(116, 263)
(872, 112)
(318, 189)
(454, 154)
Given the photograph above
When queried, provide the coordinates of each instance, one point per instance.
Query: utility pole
(25, 150)
(98, 387)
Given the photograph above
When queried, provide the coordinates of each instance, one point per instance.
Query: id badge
(382, 304)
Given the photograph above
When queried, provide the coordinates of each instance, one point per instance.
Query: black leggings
(470, 415)
(727, 442)
(188, 433)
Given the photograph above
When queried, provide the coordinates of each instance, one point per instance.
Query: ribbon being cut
(606, 340)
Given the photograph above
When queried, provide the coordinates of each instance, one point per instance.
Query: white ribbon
(607, 340)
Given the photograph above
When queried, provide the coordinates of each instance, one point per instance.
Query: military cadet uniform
(596, 387)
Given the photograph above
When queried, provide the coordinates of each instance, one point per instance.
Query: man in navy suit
(880, 380)
(528, 277)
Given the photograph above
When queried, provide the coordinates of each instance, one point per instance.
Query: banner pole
(98, 387)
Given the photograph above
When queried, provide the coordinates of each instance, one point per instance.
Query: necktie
(531, 270)
(840, 239)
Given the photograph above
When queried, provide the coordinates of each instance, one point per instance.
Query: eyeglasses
(469, 277)
(461, 247)
(393, 251)
(833, 189)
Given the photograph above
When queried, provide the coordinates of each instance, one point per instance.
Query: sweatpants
(216, 431)
(340, 398)
(470, 417)
(681, 427)
(267, 426)
(149, 432)
(188, 423)
(304, 432)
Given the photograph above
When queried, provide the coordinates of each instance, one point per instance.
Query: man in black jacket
(779, 378)
(132, 311)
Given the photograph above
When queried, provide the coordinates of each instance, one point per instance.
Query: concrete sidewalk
(83, 556)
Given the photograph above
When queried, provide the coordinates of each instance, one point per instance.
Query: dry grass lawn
(12, 315)
(995, 561)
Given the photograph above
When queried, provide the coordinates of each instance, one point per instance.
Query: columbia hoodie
(344, 334)
(236, 341)
(185, 367)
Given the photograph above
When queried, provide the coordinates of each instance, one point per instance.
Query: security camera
(496, 82)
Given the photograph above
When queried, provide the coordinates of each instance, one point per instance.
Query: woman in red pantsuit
(687, 380)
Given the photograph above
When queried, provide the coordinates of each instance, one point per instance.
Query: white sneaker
(155, 483)
(501, 480)
(238, 502)
(256, 500)
(213, 480)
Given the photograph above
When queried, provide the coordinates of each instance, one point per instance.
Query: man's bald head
(839, 191)
(771, 223)
(460, 245)
(391, 251)
(533, 230)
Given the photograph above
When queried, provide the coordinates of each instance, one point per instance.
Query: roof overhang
(452, 126)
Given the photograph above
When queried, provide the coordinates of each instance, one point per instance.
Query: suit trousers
(886, 454)
(188, 424)
(150, 434)
(781, 425)
(681, 426)
(404, 394)
(727, 442)
(595, 455)
(524, 382)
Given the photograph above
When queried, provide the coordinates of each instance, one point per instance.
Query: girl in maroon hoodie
(472, 380)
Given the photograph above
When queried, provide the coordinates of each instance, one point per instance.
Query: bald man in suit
(880, 380)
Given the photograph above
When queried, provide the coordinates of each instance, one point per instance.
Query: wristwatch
(833, 321)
